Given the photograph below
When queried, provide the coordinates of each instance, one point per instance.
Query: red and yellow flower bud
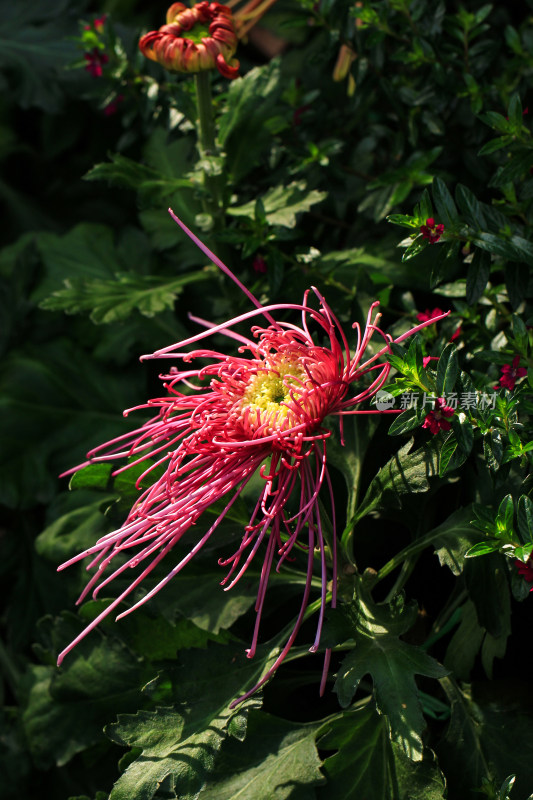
(194, 39)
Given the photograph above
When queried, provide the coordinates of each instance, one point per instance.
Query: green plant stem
(406, 570)
(207, 144)
(403, 555)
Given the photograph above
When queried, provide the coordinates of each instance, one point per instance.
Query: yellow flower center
(268, 399)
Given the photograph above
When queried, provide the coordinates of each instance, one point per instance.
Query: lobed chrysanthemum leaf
(487, 737)
(392, 664)
(278, 760)
(114, 300)
(65, 710)
(367, 764)
(181, 743)
(281, 204)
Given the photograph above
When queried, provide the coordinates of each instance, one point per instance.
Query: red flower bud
(194, 39)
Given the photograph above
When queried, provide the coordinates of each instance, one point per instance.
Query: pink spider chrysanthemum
(262, 411)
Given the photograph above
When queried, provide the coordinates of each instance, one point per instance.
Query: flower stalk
(207, 145)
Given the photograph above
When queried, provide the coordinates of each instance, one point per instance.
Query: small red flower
(525, 570)
(425, 316)
(437, 420)
(260, 265)
(427, 359)
(430, 231)
(95, 61)
(112, 107)
(457, 332)
(98, 24)
(510, 374)
(194, 40)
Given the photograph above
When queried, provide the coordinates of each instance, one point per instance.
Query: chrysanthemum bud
(194, 39)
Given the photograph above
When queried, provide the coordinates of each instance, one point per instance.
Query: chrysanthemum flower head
(263, 410)
(194, 40)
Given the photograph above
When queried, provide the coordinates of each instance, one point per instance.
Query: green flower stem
(405, 572)
(403, 555)
(207, 143)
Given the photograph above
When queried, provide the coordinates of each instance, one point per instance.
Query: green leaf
(505, 515)
(516, 281)
(497, 121)
(404, 473)
(444, 264)
(115, 300)
(477, 276)
(457, 445)
(447, 370)
(73, 532)
(407, 421)
(514, 111)
(198, 596)
(525, 518)
(86, 252)
(123, 171)
(180, 744)
(415, 248)
(36, 48)
(465, 643)
(453, 537)
(495, 144)
(277, 761)
(349, 460)
(392, 665)
(368, 765)
(246, 127)
(404, 220)
(415, 357)
(470, 207)
(515, 169)
(485, 518)
(57, 411)
(485, 740)
(444, 205)
(524, 552)
(281, 204)
(520, 334)
(93, 476)
(65, 710)
(482, 548)
(493, 448)
(424, 207)
(487, 583)
(513, 249)
(512, 38)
